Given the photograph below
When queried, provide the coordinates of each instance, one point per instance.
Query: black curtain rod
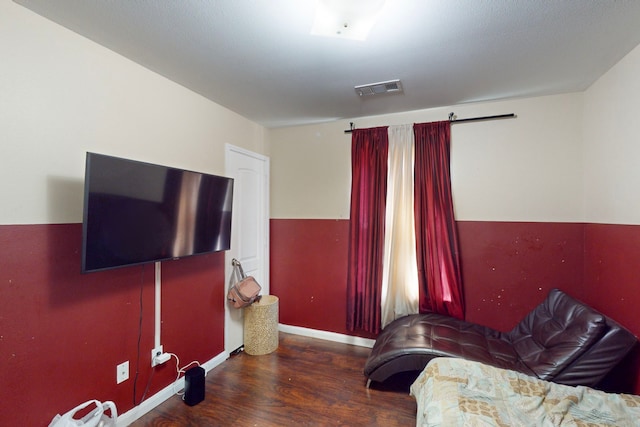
(453, 120)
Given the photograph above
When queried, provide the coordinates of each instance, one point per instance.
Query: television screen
(136, 212)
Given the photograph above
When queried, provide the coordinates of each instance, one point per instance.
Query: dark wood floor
(306, 382)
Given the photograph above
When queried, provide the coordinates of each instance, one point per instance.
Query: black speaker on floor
(194, 386)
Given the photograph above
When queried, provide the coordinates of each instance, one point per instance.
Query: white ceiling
(257, 57)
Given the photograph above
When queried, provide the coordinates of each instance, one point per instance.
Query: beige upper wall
(565, 158)
(523, 169)
(63, 95)
(612, 144)
(310, 171)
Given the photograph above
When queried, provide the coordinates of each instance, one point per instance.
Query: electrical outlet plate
(154, 353)
(122, 372)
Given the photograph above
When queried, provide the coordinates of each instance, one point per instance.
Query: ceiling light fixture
(349, 19)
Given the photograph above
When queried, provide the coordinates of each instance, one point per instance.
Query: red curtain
(369, 148)
(439, 274)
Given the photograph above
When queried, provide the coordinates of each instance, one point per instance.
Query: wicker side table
(261, 326)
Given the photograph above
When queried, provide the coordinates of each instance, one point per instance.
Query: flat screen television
(136, 212)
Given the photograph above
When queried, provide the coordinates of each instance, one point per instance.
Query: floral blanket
(457, 392)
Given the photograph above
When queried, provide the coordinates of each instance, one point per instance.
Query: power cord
(135, 379)
(180, 371)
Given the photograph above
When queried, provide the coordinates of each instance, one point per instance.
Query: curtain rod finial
(351, 128)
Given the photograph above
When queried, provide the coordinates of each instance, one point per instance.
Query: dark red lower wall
(612, 285)
(308, 272)
(612, 271)
(63, 333)
(508, 268)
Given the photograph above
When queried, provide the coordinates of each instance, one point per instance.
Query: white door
(249, 229)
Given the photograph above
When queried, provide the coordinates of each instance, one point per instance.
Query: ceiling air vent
(392, 86)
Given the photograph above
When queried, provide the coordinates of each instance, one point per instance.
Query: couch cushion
(555, 333)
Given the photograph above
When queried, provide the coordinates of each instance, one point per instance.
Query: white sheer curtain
(400, 271)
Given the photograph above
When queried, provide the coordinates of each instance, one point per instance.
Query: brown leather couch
(561, 340)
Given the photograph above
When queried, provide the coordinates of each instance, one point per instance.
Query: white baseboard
(328, 336)
(164, 394)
